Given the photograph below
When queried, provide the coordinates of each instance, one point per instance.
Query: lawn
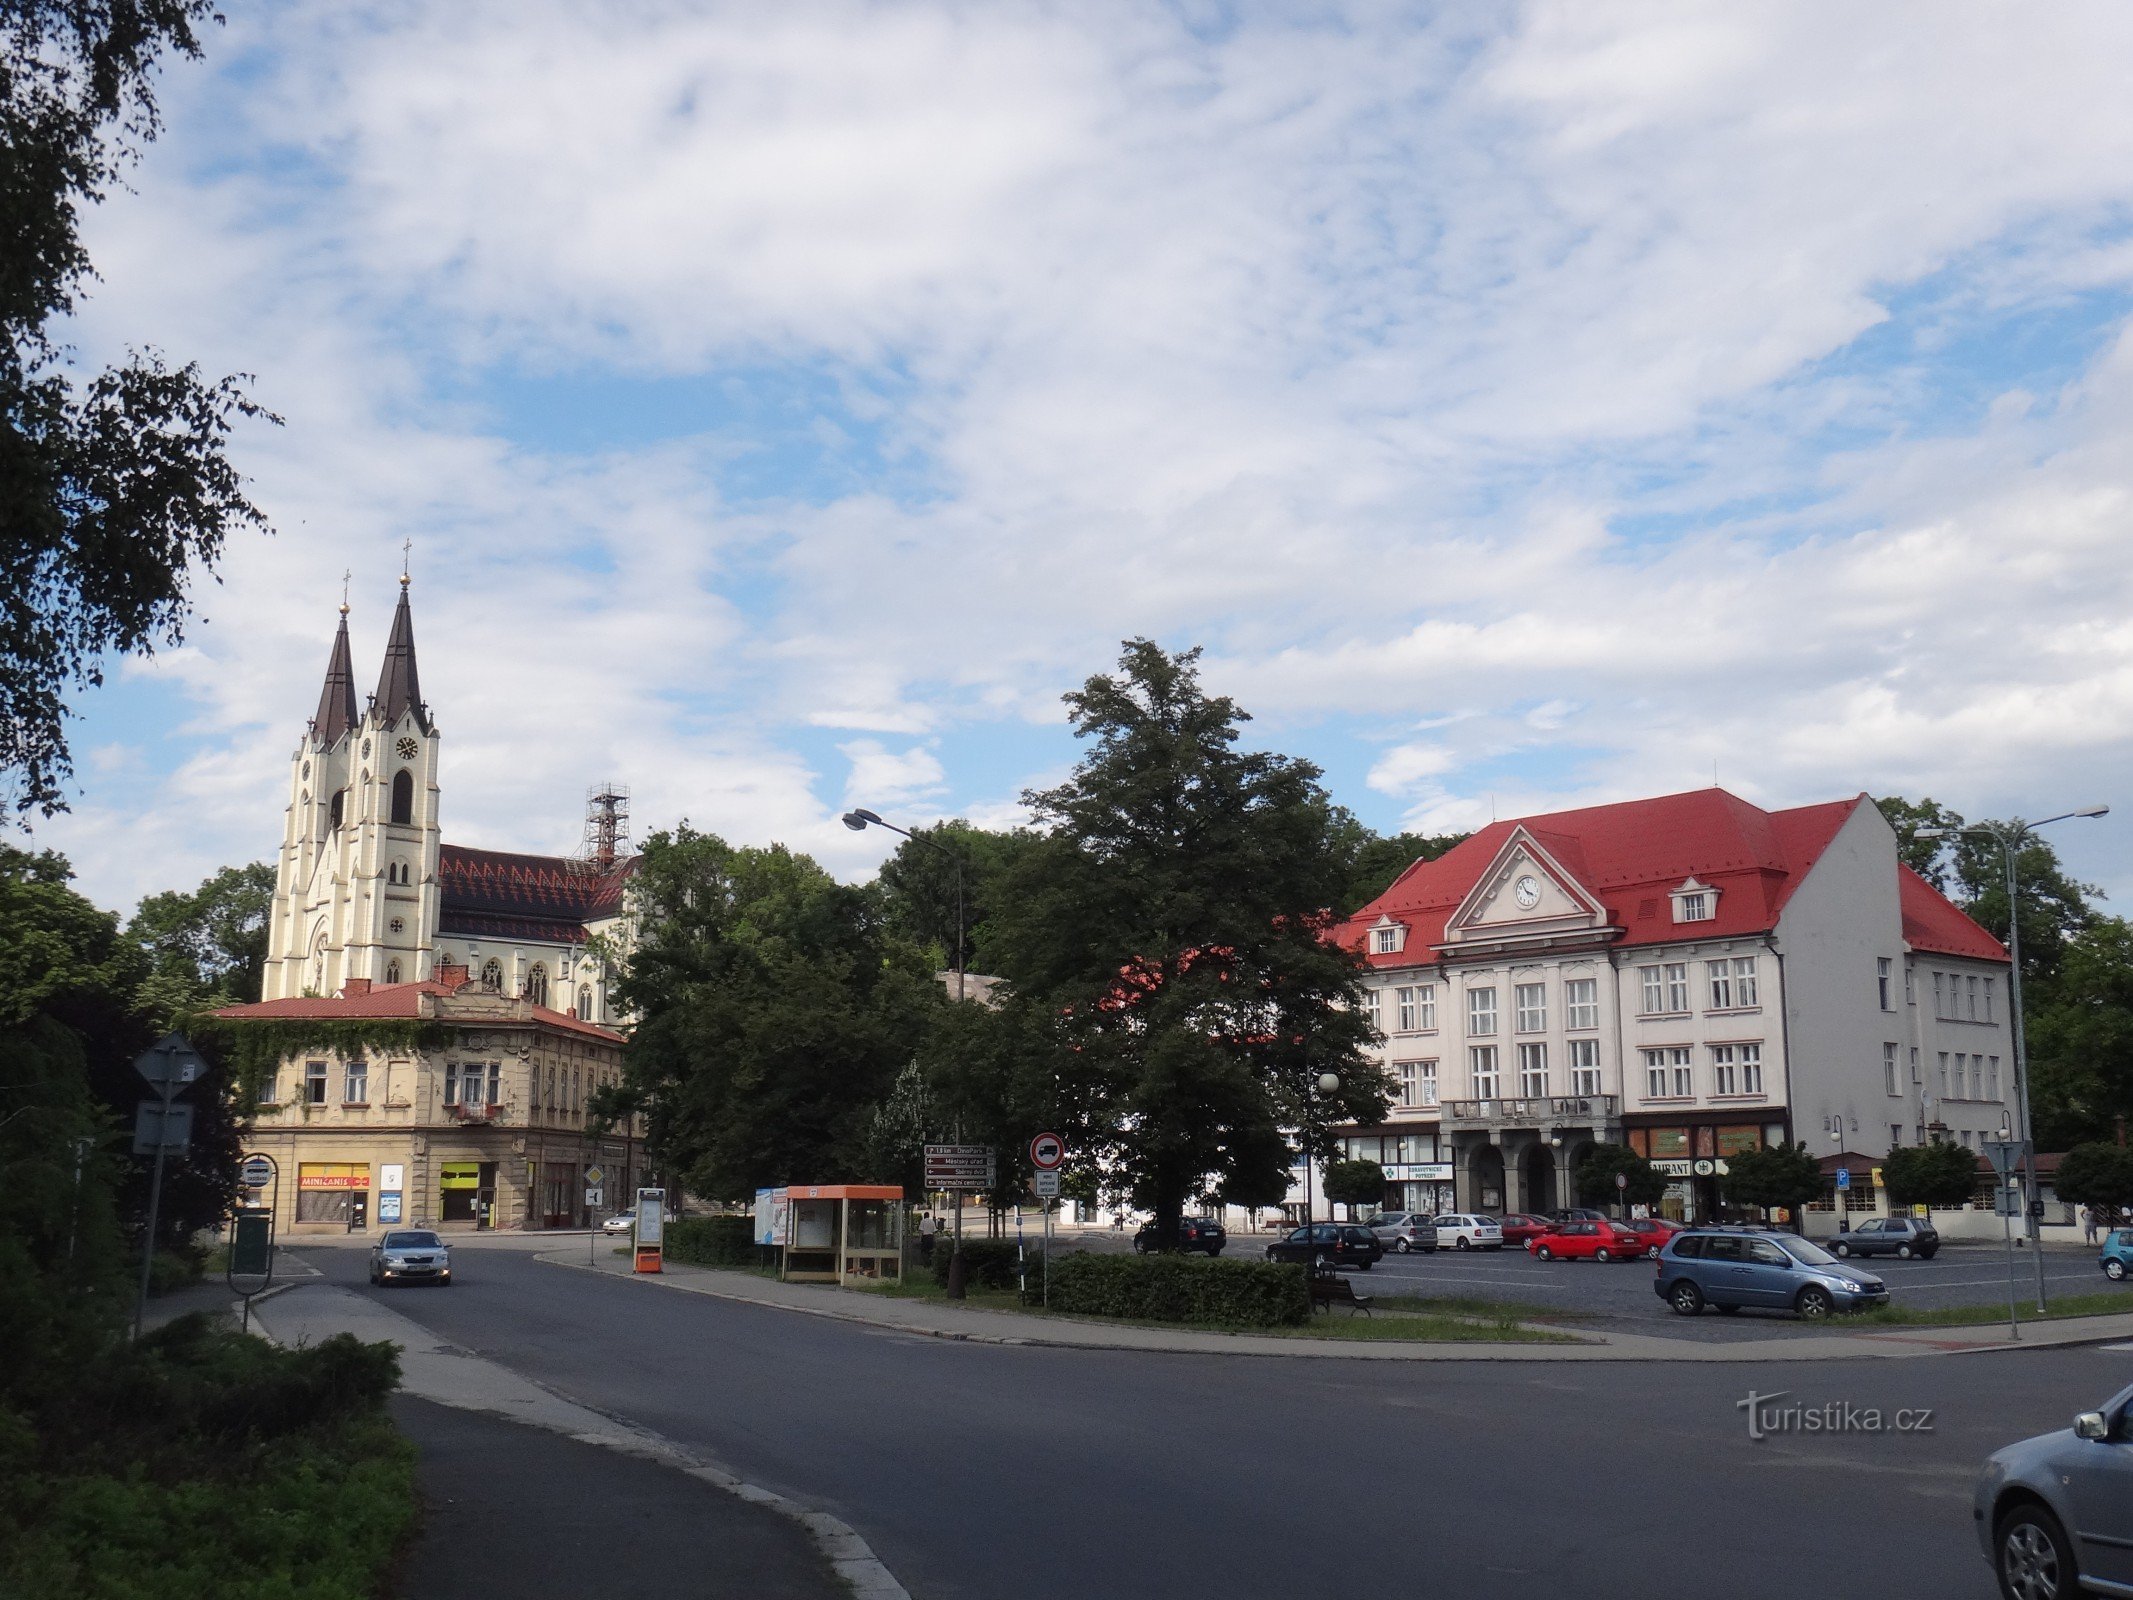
(2107, 1303)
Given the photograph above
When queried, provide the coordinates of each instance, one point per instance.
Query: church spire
(399, 689)
(337, 700)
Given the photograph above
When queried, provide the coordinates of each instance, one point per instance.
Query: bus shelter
(835, 1232)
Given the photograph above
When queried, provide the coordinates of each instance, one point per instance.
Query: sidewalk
(935, 1319)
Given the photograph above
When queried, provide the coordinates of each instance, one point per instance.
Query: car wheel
(1903, 1252)
(1603, 1254)
(1213, 1251)
(1928, 1255)
(1814, 1304)
(1366, 1264)
(2031, 1556)
(1651, 1253)
(1400, 1245)
(2115, 1270)
(1840, 1248)
(1459, 1243)
(1545, 1253)
(1685, 1298)
(1270, 1254)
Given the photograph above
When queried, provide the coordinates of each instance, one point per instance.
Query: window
(355, 1084)
(1373, 1007)
(1677, 986)
(451, 1083)
(1584, 1066)
(1666, 988)
(1404, 1001)
(1720, 974)
(1669, 1073)
(315, 1083)
(495, 1081)
(1943, 1080)
(1406, 1070)
(551, 1089)
(1884, 974)
(403, 796)
(1533, 1071)
(1888, 1067)
(1388, 941)
(1988, 999)
(334, 808)
(1918, 1076)
(1725, 1069)
(392, 972)
(1973, 1001)
(1910, 988)
(1938, 1009)
(1482, 1060)
(398, 925)
(1751, 1069)
(1693, 907)
(1426, 1082)
(1895, 1135)
(1654, 990)
(1744, 985)
(537, 984)
(269, 1089)
(1992, 1077)
(1481, 1012)
(492, 975)
(1532, 1002)
(585, 1002)
(1581, 1003)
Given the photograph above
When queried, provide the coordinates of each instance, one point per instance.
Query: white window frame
(1972, 987)
(1747, 987)
(1406, 1072)
(1425, 1008)
(1584, 1066)
(1654, 981)
(1677, 988)
(1533, 1071)
(1988, 999)
(1992, 1081)
(314, 1083)
(1484, 1071)
(1373, 1006)
(1481, 1012)
(1718, 975)
(1654, 1074)
(1885, 982)
(1724, 1069)
(1684, 1069)
(1404, 1007)
(1426, 1082)
(1888, 1066)
(1751, 1069)
(1530, 1007)
(355, 1081)
(1581, 1003)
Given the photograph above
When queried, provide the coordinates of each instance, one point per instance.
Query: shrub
(174, 1269)
(989, 1263)
(1235, 1294)
(1943, 1175)
(714, 1242)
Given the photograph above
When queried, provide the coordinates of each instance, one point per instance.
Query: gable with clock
(1527, 893)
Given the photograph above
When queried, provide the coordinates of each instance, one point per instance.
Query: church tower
(355, 889)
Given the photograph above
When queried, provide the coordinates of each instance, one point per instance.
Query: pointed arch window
(392, 972)
(585, 1002)
(492, 975)
(334, 808)
(403, 796)
(537, 984)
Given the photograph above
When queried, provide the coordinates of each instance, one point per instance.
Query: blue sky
(1524, 407)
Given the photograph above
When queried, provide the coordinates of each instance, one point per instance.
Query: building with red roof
(1689, 975)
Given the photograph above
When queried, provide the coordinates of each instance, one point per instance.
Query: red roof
(398, 1000)
(1628, 856)
(1931, 922)
(498, 894)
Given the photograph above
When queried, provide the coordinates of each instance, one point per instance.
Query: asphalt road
(998, 1473)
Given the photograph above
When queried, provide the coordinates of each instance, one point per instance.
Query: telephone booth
(841, 1233)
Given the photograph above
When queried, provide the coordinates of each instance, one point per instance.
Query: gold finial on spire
(406, 547)
(345, 576)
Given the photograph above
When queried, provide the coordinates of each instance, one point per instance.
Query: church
(376, 918)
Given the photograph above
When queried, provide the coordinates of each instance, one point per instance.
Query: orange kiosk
(839, 1232)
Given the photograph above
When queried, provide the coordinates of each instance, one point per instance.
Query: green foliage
(714, 1242)
(249, 1049)
(1355, 1183)
(1165, 935)
(114, 492)
(1930, 1175)
(1926, 857)
(989, 1263)
(1174, 1288)
(208, 947)
(2099, 1175)
(1595, 1177)
(917, 886)
(775, 1010)
(1375, 860)
(1786, 1175)
(2081, 1038)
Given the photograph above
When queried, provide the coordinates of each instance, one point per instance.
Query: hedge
(989, 1263)
(1176, 1288)
(714, 1242)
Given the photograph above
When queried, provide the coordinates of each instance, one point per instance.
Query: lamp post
(2007, 839)
(859, 820)
(1326, 1083)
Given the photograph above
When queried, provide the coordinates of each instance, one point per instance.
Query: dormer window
(1388, 938)
(1695, 902)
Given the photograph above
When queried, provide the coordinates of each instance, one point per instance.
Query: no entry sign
(1046, 1151)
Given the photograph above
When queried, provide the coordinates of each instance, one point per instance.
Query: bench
(1328, 1289)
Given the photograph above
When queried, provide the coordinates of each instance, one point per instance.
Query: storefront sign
(1418, 1172)
(332, 1175)
(389, 1207)
(1672, 1169)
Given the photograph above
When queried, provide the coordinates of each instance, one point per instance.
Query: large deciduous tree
(775, 1012)
(1169, 930)
(208, 946)
(1942, 1175)
(1774, 1176)
(1595, 1177)
(2098, 1175)
(115, 488)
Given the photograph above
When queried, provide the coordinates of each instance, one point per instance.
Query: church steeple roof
(337, 700)
(399, 688)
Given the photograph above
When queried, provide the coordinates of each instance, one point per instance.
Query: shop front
(466, 1193)
(1419, 1186)
(333, 1192)
(1692, 1156)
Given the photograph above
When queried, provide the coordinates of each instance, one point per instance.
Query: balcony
(1547, 1111)
(474, 1113)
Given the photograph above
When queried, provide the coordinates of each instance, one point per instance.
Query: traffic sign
(158, 1127)
(1844, 1177)
(592, 1197)
(960, 1166)
(593, 1175)
(170, 1063)
(1621, 1180)
(1045, 1185)
(257, 1172)
(1046, 1151)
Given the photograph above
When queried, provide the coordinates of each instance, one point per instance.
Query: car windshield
(1806, 1252)
(412, 1241)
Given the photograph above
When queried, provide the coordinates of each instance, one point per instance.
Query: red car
(1654, 1231)
(1597, 1241)
(1521, 1228)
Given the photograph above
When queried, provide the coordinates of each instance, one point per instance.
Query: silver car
(1404, 1231)
(2055, 1513)
(410, 1255)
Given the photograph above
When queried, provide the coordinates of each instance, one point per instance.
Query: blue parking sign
(1844, 1177)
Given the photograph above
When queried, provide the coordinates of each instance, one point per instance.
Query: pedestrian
(2088, 1224)
(927, 1227)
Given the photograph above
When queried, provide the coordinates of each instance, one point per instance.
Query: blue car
(1734, 1267)
(2117, 1258)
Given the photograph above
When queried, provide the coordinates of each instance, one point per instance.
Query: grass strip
(2114, 1301)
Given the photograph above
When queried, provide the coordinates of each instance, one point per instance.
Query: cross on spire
(346, 574)
(407, 547)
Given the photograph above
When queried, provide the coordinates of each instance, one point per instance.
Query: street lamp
(859, 820)
(1326, 1083)
(2008, 838)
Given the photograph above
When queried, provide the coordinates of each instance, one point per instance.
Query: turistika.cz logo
(1767, 1417)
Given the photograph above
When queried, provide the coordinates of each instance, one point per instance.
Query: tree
(2098, 1175)
(114, 492)
(1355, 1183)
(1941, 1175)
(2055, 909)
(917, 886)
(1595, 1178)
(209, 946)
(774, 1012)
(1376, 859)
(1780, 1176)
(1169, 929)
(2081, 1039)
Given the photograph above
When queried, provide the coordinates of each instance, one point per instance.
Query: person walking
(2088, 1224)
(927, 1227)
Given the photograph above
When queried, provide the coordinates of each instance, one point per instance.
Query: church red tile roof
(1629, 855)
(402, 1000)
(499, 894)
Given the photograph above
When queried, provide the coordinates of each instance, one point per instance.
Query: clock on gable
(1527, 892)
(408, 748)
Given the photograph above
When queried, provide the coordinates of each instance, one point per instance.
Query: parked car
(1194, 1233)
(1521, 1228)
(1901, 1236)
(1403, 1231)
(2117, 1257)
(1578, 1214)
(1730, 1268)
(1588, 1241)
(410, 1255)
(1332, 1244)
(624, 1222)
(2054, 1514)
(1653, 1231)
(1464, 1230)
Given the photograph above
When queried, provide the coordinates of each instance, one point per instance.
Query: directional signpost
(251, 1262)
(593, 1202)
(170, 1066)
(962, 1168)
(1046, 1153)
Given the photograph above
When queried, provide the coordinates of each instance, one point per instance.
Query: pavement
(984, 1325)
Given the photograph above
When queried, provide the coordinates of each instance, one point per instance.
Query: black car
(1329, 1244)
(1194, 1233)
(1897, 1236)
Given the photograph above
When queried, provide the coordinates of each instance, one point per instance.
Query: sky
(1523, 406)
